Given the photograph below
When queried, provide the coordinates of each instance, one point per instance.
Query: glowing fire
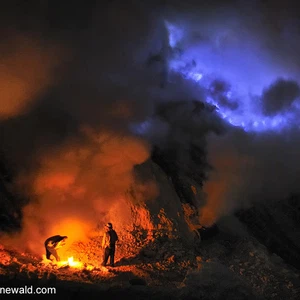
(71, 263)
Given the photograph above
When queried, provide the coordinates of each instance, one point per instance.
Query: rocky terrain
(227, 265)
(164, 253)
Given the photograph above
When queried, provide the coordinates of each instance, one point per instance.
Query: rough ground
(224, 266)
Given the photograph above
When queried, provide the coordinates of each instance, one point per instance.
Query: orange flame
(71, 263)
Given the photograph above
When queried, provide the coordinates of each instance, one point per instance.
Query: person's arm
(51, 244)
(117, 238)
(103, 240)
(60, 244)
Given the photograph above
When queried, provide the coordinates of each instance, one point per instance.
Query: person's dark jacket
(109, 239)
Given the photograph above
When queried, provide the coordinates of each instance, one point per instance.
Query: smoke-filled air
(81, 106)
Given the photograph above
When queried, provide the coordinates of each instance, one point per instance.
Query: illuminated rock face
(163, 213)
(140, 222)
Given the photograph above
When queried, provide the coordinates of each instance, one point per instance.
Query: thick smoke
(76, 184)
(247, 59)
(28, 68)
(250, 168)
(280, 96)
(75, 155)
(74, 151)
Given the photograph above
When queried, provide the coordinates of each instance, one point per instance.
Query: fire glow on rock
(70, 262)
(63, 263)
(237, 91)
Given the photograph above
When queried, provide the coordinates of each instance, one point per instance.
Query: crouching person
(52, 244)
(109, 240)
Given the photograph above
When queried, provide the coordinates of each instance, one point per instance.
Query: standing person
(52, 244)
(109, 240)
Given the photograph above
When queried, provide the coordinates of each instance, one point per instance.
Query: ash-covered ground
(224, 265)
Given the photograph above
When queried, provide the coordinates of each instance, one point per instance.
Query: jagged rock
(160, 215)
(5, 258)
(171, 259)
(199, 259)
(31, 267)
(14, 266)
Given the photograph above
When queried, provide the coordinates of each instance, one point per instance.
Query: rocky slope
(276, 226)
(225, 266)
(165, 254)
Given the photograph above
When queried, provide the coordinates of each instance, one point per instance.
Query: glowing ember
(75, 264)
(90, 268)
(70, 262)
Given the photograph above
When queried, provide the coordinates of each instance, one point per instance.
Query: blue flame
(177, 34)
(248, 75)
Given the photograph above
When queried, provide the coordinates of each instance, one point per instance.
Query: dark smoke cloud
(28, 68)
(69, 139)
(72, 152)
(280, 96)
(220, 90)
(249, 48)
(249, 168)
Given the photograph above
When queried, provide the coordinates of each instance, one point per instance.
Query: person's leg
(105, 256)
(55, 254)
(48, 253)
(112, 256)
(52, 251)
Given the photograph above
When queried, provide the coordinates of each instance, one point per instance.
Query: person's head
(108, 226)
